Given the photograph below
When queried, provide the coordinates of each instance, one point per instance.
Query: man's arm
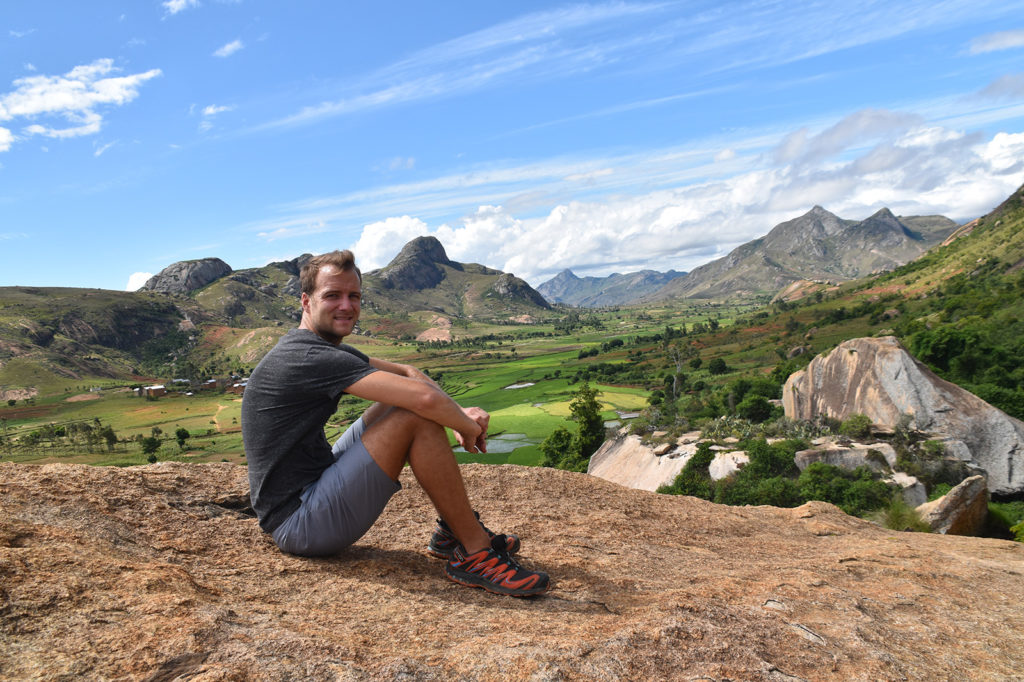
(406, 387)
(402, 370)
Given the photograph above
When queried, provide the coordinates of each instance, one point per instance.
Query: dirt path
(216, 421)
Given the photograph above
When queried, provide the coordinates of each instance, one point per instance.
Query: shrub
(938, 491)
(1008, 517)
(856, 426)
(755, 408)
(694, 479)
(899, 515)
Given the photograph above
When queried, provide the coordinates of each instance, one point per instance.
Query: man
(315, 499)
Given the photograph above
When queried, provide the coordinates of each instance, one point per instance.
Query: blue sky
(527, 136)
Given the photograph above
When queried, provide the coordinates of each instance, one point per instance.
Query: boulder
(628, 461)
(161, 573)
(879, 378)
(961, 511)
(184, 277)
(725, 464)
(914, 492)
(877, 456)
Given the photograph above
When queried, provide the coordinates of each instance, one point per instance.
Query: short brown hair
(345, 261)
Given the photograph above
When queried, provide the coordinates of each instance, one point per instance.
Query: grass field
(522, 375)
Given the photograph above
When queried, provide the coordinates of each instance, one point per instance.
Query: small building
(154, 391)
(238, 388)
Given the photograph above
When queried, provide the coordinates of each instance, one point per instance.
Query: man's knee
(398, 419)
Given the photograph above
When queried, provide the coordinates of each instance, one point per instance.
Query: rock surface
(626, 460)
(876, 456)
(185, 277)
(879, 378)
(725, 464)
(961, 511)
(417, 265)
(156, 573)
(510, 286)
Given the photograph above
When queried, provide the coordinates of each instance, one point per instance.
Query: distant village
(232, 384)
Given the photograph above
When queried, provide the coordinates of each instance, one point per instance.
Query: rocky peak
(184, 277)
(161, 572)
(509, 286)
(417, 265)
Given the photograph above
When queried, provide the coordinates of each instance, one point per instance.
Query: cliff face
(158, 572)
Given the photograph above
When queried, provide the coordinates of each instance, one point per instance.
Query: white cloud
(402, 163)
(852, 131)
(102, 148)
(6, 139)
(213, 110)
(993, 42)
(229, 49)
(590, 176)
(136, 280)
(292, 229)
(21, 34)
(381, 241)
(725, 155)
(1010, 86)
(73, 97)
(29, 66)
(852, 168)
(175, 6)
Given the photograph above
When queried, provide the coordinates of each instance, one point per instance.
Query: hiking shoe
(495, 571)
(443, 541)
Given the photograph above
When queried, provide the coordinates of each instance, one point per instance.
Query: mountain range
(52, 334)
(615, 289)
(817, 246)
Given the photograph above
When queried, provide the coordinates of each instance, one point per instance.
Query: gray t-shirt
(287, 401)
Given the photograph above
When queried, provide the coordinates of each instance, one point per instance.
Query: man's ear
(305, 302)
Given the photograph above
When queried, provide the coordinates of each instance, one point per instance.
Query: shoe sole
(496, 589)
(439, 553)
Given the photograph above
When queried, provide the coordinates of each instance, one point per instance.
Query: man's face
(332, 310)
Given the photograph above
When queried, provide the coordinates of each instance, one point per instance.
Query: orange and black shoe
(443, 541)
(495, 571)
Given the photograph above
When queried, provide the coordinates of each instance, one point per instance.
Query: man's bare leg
(395, 436)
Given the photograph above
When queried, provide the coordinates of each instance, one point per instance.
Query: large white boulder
(961, 511)
(879, 378)
(626, 460)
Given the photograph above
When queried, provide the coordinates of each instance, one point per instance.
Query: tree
(182, 435)
(754, 408)
(150, 445)
(717, 366)
(566, 450)
(586, 412)
(107, 434)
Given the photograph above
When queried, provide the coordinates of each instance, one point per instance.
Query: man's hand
(475, 442)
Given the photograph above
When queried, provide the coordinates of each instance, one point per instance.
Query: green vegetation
(1008, 518)
(572, 451)
(772, 478)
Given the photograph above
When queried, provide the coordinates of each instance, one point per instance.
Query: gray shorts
(339, 507)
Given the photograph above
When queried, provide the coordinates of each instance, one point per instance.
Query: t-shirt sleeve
(337, 368)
